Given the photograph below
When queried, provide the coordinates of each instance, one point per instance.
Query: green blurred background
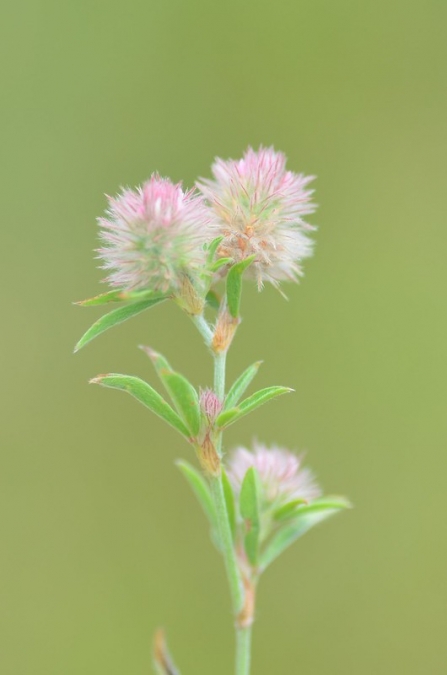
(101, 540)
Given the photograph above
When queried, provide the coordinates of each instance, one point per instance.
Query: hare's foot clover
(161, 243)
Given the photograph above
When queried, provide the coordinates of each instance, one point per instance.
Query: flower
(282, 477)
(259, 207)
(210, 404)
(153, 236)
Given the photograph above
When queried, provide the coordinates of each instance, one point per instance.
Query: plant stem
(203, 328)
(226, 538)
(243, 650)
(219, 374)
(243, 635)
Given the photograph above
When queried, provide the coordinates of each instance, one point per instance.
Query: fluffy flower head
(259, 207)
(152, 235)
(281, 474)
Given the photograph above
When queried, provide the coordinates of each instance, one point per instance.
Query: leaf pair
(186, 416)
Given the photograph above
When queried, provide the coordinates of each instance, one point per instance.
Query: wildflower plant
(160, 243)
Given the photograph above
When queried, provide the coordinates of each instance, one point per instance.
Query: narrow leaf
(115, 296)
(144, 393)
(234, 285)
(229, 499)
(227, 417)
(240, 385)
(181, 391)
(301, 524)
(212, 248)
(289, 510)
(200, 488)
(249, 508)
(117, 316)
(221, 262)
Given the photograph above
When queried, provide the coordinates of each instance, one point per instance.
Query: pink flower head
(153, 234)
(259, 207)
(210, 404)
(281, 475)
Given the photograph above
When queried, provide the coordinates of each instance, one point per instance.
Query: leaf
(227, 417)
(144, 393)
(289, 510)
(240, 385)
(249, 508)
(213, 300)
(229, 499)
(114, 296)
(221, 262)
(212, 248)
(307, 518)
(117, 316)
(181, 391)
(234, 285)
(200, 488)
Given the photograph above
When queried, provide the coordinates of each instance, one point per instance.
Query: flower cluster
(155, 236)
(260, 207)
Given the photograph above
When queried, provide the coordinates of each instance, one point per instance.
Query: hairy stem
(243, 650)
(243, 634)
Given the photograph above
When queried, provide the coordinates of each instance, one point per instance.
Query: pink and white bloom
(282, 476)
(259, 207)
(153, 235)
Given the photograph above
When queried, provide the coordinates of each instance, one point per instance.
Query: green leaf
(212, 248)
(234, 285)
(181, 391)
(200, 488)
(213, 300)
(229, 499)
(307, 517)
(227, 417)
(240, 385)
(249, 508)
(117, 316)
(221, 262)
(114, 296)
(144, 393)
(289, 510)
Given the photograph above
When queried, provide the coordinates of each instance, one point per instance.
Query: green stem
(226, 538)
(204, 328)
(219, 374)
(243, 635)
(243, 651)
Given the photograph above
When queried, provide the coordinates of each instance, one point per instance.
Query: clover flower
(259, 207)
(210, 404)
(153, 236)
(282, 477)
